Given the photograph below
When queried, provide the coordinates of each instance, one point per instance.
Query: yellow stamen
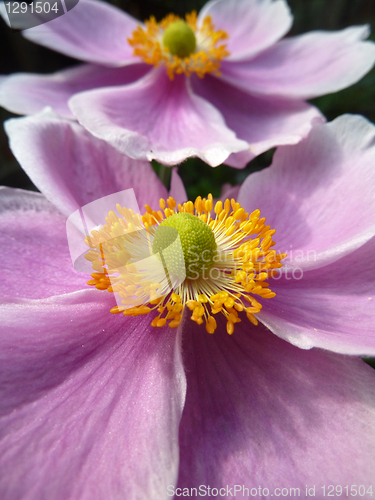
(237, 272)
(159, 44)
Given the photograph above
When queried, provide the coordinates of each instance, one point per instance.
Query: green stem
(165, 174)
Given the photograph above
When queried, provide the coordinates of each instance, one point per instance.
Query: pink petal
(251, 26)
(27, 93)
(156, 118)
(73, 168)
(263, 122)
(319, 194)
(91, 402)
(177, 190)
(261, 412)
(332, 307)
(306, 66)
(228, 192)
(36, 260)
(93, 31)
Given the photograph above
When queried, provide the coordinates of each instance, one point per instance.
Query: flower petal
(93, 31)
(91, 402)
(319, 195)
(73, 168)
(27, 93)
(156, 118)
(332, 307)
(264, 122)
(177, 190)
(228, 191)
(261, 412)
(306, 66)
(36, 260)
(252, 26)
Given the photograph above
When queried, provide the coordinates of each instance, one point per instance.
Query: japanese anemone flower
(101, 406)
(221, 85)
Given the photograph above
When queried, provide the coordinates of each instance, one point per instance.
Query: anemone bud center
(180, 39)
(197, 241)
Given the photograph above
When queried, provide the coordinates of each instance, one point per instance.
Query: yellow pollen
(181, 46)
(244, 259)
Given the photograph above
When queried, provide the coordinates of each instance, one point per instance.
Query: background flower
(92, 402)
(256, 103)
(199, 178)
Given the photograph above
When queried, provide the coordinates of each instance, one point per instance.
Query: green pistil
(197, 241)
(180, 39)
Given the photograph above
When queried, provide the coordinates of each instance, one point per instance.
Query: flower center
(225, 254)
(181, 46)
(180, 39)
(197, 241)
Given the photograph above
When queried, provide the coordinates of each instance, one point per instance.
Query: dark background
(18, 54)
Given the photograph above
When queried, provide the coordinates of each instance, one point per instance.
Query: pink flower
(250, 97)
(97, 406)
